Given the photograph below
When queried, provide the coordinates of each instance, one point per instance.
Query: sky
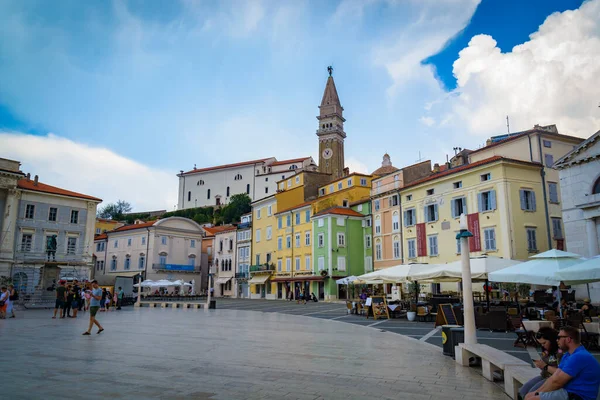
(114, 98)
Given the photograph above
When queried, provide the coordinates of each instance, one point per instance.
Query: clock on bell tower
(331, 131)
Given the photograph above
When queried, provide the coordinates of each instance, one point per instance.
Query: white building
(215, 185)
(169, 248)
(10, 173)
(224, 259)
(579, 172)
(243, 256)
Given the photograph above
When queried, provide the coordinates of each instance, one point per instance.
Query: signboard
(445, 315)
(473, 226)
(377, 307)
(421, 240)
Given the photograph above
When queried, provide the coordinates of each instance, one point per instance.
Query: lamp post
(469, 313)
(209, 286)
(139, 294)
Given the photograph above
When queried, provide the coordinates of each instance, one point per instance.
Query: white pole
(209, 286)
(467, 286)
(140, 292)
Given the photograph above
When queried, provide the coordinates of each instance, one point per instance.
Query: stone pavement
(223, 354)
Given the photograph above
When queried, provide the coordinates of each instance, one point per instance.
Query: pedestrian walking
(96, 297)
(68, 302)
(13, 296)
(61, 298)
(3, 302)
(76, 302)
(120, 298)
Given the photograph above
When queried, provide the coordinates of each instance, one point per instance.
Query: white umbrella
(146, 283)
(584, 272)
(452, 272)
(347, 280)
(403, 272)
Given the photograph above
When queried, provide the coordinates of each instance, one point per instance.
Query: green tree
(238, 205)
(114, 210)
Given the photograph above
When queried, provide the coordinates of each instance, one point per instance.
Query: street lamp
(469, 313)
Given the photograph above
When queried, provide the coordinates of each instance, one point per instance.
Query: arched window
(596, 188)
(189, 196)
(238, 177)
(200, 183)
(208, 194)
(292, 167)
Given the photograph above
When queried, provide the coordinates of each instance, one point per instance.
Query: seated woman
(551, 355)
(588, 310)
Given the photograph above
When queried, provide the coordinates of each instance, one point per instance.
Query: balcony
(176, 267)
(245, 225)
(262, 267)
(242, 275)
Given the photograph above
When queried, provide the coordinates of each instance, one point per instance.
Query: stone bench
(491, 359)
(516, 376)
(174, 304)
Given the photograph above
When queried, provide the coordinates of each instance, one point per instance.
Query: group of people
(76, 298)
(301, 296)
(8, 295)
(568, 370)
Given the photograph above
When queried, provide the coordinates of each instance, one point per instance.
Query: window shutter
(523, 201)
(435, 209)
(405, 214)
(453, 208)
(493, 199)
(479, 202)
(464, 204)
(533, 207)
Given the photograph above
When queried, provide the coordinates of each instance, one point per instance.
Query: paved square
(224, 354)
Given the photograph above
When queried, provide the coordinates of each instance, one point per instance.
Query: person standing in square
(96, 297)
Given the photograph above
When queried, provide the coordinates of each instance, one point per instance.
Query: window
(279, 265)
(71, 245)
(330, 188)
(321, 263)
(74, 216)
(527, 199)
(340, 221)
(547, 143)
(378, 251)
(266, 189)
(349, 182)
(127, 263)
(100, 246)
(26, 241)
(489, 238)
(141, 262)
(163, 239)
(368, 264)
(307, 216)
(192, 243)
(377, 225)
(458, 246)
(288, 242)
(360, 207)
(100, 265)
(596, 188)
(430, 192)
(257, 259)
(298, 218)
(341, 239)
(412, 248)
(297, 240)
(457, 185)
(113, 264)
(340, 185)
(288, 220)
(431, 213)
(189, 196)
(279, 223)
(395, 221)
(531, 239)
(548, 160)
(257, 235)
(394, 200)
(307, 263)
(368, 222)
(53, 213)
(363, 181)
(345, 203)
(288, 264)
(458, 207)
(116, 244)
(557, 228)
(298, 177)
(307, 238)
(341, 263)
(200, 183)
(143, 240)
(377, 205)
(396, 246)
(129, 242)
(258, 213)
(162, 260)
(208, 193)
(97, 231)
(487, 201)
(321, 240)
(289, 183)
(368, 241)
(269, 233)
(553, 192)
(29, 211)
(433, 245)
(410, 217)
(248, 189)
(269, 211)
(409, 197)
(237, 177)
(321, 222)
(297, 263)
(322, 192)
(486, 177)
(279, 243)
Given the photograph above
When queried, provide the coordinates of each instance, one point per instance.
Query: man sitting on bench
(577, 376)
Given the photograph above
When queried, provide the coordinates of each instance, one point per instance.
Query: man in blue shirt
(577, 376)
(96, 296)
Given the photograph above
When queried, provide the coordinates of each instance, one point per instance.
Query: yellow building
(106, 225)
(263, 247)
(502, 201)
(343, 192)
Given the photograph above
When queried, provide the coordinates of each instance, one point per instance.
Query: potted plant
(413, 290)
(324, 273)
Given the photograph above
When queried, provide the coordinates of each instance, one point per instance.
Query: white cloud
(428, 121)
(354, 165)
(550, 79)
(91, 170)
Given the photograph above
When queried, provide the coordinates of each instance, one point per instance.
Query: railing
(242, 275)
(176, 267)
(386, 188)
(262, 267)
(245, 225)
(26, 255)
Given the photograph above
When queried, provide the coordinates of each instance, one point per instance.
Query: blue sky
(113, 98)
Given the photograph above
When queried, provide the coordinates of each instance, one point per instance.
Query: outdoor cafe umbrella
(346, 281)
(585, 272)
(540, 270)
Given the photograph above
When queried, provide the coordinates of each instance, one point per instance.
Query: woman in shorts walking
(96, 297)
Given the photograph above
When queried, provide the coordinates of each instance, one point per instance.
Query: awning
(129, 273)
(259, 280)
(222, 280)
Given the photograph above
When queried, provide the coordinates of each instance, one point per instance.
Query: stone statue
(330, 70)
(51, 247)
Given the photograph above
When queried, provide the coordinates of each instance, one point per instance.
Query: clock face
(327, 153)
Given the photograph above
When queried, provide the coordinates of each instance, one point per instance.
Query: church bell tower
(331, 131)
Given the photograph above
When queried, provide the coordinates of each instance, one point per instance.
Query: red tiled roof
(227, 228)
(217, 229)
(295, 207)
(26, 184)
(108, 221)
(464, 168)
(340, 211)
(134, 226)
(525, 133)
(294, 160)
(101, 236)
(240, 164)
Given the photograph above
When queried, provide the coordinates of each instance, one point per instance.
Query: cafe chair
(523, 336)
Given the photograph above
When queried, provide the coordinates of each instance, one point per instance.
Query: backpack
(14, 297)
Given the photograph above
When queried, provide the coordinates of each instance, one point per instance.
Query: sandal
(85, 333)
(99, 330)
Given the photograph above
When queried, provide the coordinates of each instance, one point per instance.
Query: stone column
(592, 236)
(7, 235)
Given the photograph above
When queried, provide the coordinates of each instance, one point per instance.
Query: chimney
(436, 168)
(488, 142)
(28, 176)
(346, 171)
(35, 180)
